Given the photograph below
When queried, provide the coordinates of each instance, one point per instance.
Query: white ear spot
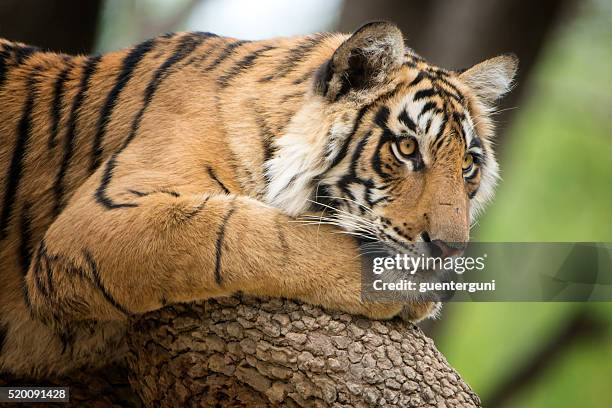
(493, 78)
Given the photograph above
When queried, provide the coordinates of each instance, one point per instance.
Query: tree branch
(248, 352)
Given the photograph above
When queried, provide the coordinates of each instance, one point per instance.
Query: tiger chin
(190, 166)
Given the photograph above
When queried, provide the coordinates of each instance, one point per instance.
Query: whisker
(365, 207)
(356, 228)
(333, 222)
(359, 220)
(473, 224)
(499, 111)
(354, 223)
(366, 253)
(370, 245)
(353, 233)
(339, 210)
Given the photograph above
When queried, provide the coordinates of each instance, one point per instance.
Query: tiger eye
(468, 160)
(407, 146)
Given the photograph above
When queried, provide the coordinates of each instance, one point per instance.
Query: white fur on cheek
(299, 159)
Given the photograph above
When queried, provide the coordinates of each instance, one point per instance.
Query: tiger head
(390, 147)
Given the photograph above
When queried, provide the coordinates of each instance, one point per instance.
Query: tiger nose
(447, 249)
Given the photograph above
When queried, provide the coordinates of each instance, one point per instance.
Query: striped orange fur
(172, 171)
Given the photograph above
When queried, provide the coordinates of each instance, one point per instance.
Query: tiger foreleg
(96, 263)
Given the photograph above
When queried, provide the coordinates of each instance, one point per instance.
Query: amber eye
(468, 161)
(407, 146)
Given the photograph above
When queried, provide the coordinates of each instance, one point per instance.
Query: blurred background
(554, 143)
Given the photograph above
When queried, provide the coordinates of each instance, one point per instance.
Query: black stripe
(323, 197)
(170, 193)
(23, 53)
(459, 117)
(420, 76)
(56, 106)
(66, 337)
(5, 55)
(186, 46)
(138, 193)
(197, 209)
(476, 142)
(204, 34)
(101, 194)
(89, 69)
(438, 140)
(382, 117)
(424, 93)
(36, 273)
(241, 66)
(219, 243)
(3, 336)
(386, 137)
(129, 65)
(227, 51)
(281, 235)
(201, 55)
(295, 56)
(454, 93)
(428, 125)
(427, 107)
(15, 170)
(266, 135)
(406, 120)
(25, 243)
(344, 149)
(66, 266)
(43, 255)
(358, 152)
(97, 281)
(26, 295)
(351, 178)
(213, 176)
(146, 193)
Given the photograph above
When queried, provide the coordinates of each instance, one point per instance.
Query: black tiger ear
(362, 61)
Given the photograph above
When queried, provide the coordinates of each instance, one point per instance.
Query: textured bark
(248, 352)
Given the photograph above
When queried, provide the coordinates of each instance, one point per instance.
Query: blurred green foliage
(557, 186)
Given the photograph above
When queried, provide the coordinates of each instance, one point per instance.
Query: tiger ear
(362, 61)
(491, 79)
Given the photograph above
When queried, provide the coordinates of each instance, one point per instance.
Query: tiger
(178, 170)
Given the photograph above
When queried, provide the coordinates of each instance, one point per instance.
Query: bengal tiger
(172, 171)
